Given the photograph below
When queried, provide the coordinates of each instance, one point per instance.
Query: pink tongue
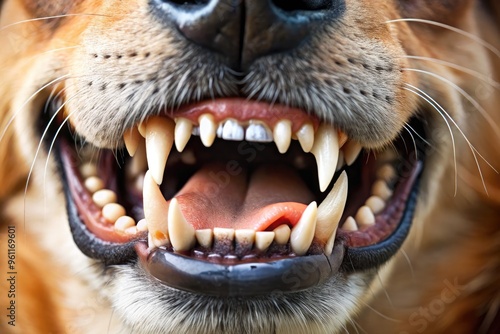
(227, 196)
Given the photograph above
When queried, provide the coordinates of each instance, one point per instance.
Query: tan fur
(455, 237)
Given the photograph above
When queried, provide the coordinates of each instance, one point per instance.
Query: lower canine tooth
(326, 151)
(159, 141)
(283, 135)
(303, 233)
(155, 212)
(205, 237)
(263, 240)
(282, 234)
(181, 233)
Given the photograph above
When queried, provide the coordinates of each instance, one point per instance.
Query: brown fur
(455, 238)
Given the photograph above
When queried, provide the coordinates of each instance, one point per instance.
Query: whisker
(50, 18)
(418, 134)
(458, 31)
(473, 73)
(414, 142)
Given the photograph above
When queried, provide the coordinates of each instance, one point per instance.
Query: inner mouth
(239, 187)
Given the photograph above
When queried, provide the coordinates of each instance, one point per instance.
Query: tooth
(303, 233)
(139, 164)
(331, 209)
(329, 244)
(350, 225)
(365, 216)
(103, 197)
(142, 225)
(376, 204)
(155, 212)
(132, 139)
(283, 135)
(113, 211)
(208, 129)
(132, 230)
(386, 173)
(183, 128)
(123, 223)
(181, 233)
(263, 240)
(244, 239)
(341, 161)
(342, 138)
(220, 130)
(223, 239)
(232, 130)
(142, 129)
(205, 237)
(257, 132)
(94, 184)
(88, 170)
(381, 189)
(306, 137)
(326, 151)
(159, 141)
(282, 234)
(351, 152)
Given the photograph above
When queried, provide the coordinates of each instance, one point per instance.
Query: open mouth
(224, 195)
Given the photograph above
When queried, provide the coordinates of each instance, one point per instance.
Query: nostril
(303, 5)
(186, 5)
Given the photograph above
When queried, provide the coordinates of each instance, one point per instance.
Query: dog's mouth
(237, 198)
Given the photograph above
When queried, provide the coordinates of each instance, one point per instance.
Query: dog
(263, 166)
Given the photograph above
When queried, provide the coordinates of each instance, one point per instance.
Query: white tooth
(180, 232)
(282, 234)
(341, 161)
(376, 204)
(326, 151)
(123, 223)
(306, 137)
(257, 132)
(263, 240)
(183, 128)
(103, 197)
(132, 230)
(381, 189)
(283, 135)
(223, 235)
(365, 216)
(139, 164)
(113, 211)
(88, 170)
(205, 237)
(142, 225)
(331, 209)
(94, 184)
(351, 152)
(386, 173)
(232, 130)
(245, 238)
(132, 139)
(329, 244)
(159, 141)
(155, 212)
(350, 225)
(208, 129)
(220, 130)
(303, 233)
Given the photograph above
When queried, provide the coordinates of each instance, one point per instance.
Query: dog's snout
(245, 30)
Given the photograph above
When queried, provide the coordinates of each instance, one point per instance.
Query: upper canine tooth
(232, 130)
(132, 139)
(257, 132)
(208, 129)
(155, 212)
(181, 233)
(303, 233)
(183, 128)
(306, 137)
(263, 240)
(351, 152)
(159, 141)
(331, 209)
(283, 135)
(326, 151)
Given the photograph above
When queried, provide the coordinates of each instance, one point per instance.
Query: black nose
(244, 30)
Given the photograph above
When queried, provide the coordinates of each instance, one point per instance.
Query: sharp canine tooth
(351, 152)
(331, 209)
(306, 137)
(365, 216)
(183, 128)
(113, 211)
(205, 237)
(208, 129)
(283, 135)
(376, 204)
(263, 240)
(232, 130)
(155, 212)
(303, 233)
(159, 141)
(257, 132)
(350, 225)
(132, 139)
(282, 234)
(326, 151)
(181, 233)
(103, 197)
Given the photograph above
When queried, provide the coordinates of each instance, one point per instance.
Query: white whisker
(49, 18)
